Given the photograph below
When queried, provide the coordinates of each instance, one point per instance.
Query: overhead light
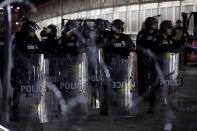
(18, 8)
(11, 7)
(17, 23)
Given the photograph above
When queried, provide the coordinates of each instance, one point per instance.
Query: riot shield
(56, 85)
(95, 75)
(73, 77)
(169, 63)
(121, 82)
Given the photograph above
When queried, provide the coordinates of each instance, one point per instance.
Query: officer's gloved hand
(126, 54)
(173, 48)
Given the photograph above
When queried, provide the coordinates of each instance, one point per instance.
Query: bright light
(11, 7)
(3, 128)
(17, 23)
(18, 8)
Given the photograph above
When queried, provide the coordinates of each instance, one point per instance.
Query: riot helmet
(151, 23)
(51, 31)
(166, 27)
(29, 27)
(70, 28)
(102, 25)
(117, 26)
(178, 23)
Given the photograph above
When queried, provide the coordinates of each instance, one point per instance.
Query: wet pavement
(183, 114)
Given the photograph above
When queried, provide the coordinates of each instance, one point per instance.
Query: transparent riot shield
(73, 81)
(95, 76)
(33, 90)
(169, 63)
(122, 81)
(56, 86)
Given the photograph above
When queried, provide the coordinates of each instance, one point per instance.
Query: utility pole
(139, 15)
(180, 8)
(126, 21)
(62, 12)
(113, 10)
(158, 5)
(7, 65)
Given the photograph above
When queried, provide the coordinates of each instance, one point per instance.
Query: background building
(133, 12)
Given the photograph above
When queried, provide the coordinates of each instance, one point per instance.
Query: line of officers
(74, 39)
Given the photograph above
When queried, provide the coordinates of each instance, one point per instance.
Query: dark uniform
(71, 46)
(71, 40)
(94, 36)
(116, 48)
(147, 40)
(166, 41)
(49, 42)
(21, 61)
(122, 46)
(181, 35)
(72, 63)
(49, 47)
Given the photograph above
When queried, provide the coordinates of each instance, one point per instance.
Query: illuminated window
(163, 13)
(147, 13)
(108, 16)
(177, 13)
(129, 21)
(169, 13)
(141, 18)
(154, 12)
(122, 16)
(134, 21)
(188, 8)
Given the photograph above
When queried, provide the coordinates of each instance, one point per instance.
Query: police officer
(71, 40)
(168, 47)
(102, 30)
(166, 40)
(73, 63)
(115, 43)
(94, 36)
(180, 34)
(49, 40)
(21, 61)
(147, 39)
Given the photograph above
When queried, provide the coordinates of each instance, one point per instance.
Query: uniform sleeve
(130, 45)
(141, 40)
